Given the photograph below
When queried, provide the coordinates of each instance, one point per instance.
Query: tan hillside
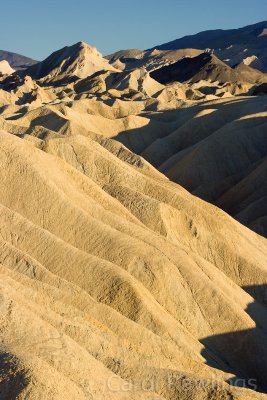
(79, 60)
(116, 282)
(103, 261)
(149, 59)
(218, 151)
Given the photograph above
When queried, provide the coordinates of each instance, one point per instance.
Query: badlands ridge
(117, 282)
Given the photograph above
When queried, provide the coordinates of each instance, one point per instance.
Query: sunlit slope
(113, 278)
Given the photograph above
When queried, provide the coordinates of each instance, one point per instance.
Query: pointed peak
(83, 45)
(5, 68)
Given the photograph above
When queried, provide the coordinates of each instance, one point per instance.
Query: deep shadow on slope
(212, 153)
(202, 67)
(215, 163)
(178, 118)
(13, 380)
(233, 352)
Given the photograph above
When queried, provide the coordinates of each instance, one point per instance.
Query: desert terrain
(133, 221)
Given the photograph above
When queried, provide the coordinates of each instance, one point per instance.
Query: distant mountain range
(16, 61)
(232, 46)
(219, 38)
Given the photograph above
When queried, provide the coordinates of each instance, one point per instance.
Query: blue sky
(37, 27)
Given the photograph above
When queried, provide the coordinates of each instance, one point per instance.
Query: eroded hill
(116, 282)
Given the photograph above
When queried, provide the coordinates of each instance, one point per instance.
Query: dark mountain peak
(217, 38)
(205, 66)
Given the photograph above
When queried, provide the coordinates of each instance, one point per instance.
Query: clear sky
(35, 28)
